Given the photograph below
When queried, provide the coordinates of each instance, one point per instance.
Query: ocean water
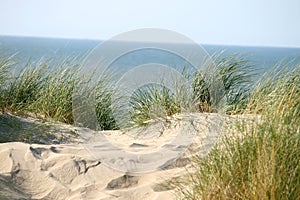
(36, 49)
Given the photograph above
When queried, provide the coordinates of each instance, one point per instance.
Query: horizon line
(101, 40)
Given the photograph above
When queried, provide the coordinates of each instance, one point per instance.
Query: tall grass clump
(153, 102)
(46, 90)
(236, 75)
(54, 99)
(21, 91)
(265, 162)
(104, 104)
(6, 64)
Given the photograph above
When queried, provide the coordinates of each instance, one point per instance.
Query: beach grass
(45, 90)
(265, 162)
(54, 97)
(151, 103)
(262, 163)
(155, 102)
(6, 64)
(236, 75)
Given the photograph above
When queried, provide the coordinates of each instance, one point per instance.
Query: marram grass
(235, 73)
(5, 66)
(265, 162)
(46, 90)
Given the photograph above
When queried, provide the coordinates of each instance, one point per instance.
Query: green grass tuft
(46, 90)
(265, 162)
(153, 102)
(235, 74)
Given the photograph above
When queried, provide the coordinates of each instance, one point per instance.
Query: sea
(33, 49)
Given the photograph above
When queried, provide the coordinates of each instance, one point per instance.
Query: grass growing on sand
(265, 162)
(157, 102)
(262, 164)
(46, 91)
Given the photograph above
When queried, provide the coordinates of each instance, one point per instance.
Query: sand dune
(84, 168)
(68, 172)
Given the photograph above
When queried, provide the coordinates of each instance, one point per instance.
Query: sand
(82, 166)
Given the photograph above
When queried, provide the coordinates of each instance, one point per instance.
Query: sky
(227, 22)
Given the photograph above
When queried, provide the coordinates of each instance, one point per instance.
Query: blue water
(34, 49)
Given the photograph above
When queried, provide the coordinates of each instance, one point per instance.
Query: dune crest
(70, 171)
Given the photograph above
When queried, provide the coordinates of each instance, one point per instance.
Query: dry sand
(67, 169)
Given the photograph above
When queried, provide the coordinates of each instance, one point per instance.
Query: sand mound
(71, 171)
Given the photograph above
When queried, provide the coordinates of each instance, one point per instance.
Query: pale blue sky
(235, 22)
